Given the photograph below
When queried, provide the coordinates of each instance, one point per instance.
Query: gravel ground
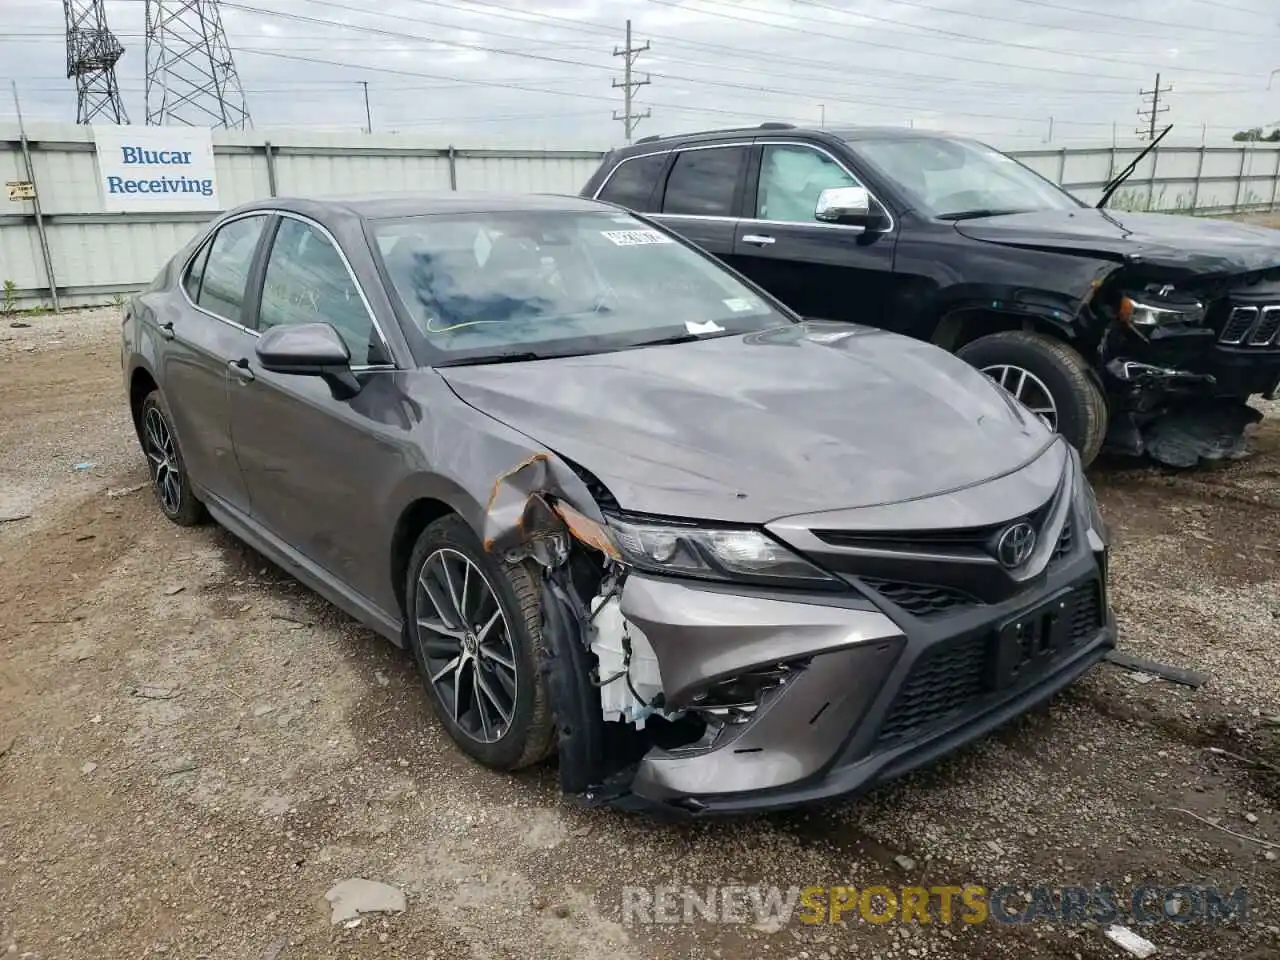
(194, 748)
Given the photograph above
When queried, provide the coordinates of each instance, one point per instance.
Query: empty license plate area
(1029, 641)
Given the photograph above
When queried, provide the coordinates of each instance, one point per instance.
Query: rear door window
(631, 183)
(226, 271)
(704, 182)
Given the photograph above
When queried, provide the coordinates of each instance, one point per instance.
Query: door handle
(240, 370)
(757, 238)
(166, 330)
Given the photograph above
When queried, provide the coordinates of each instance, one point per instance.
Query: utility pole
(1152, 112)
(629, 116)
(368, 117)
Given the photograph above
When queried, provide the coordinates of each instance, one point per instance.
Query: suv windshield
(951, 179)
(519, 285)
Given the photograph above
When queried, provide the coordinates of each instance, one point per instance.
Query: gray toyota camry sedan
(626, 509)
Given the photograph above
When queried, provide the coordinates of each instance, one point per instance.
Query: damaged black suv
(1144, 333)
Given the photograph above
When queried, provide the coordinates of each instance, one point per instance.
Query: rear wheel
(1050, 379)
(169, 480)
(475, 627)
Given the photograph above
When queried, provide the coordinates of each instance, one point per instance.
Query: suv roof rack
(777, 125)
(650, 138)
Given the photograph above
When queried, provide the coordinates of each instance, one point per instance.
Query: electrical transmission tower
(191, 78)
(1151, 113)
(630, 118)
(92, 53)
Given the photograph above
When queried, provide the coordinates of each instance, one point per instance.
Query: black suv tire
(1081, 407)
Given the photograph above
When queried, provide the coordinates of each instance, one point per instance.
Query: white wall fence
(95, 256)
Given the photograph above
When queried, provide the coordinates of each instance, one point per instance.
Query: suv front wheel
(1048, 377)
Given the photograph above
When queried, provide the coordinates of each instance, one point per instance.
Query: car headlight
(714, 554)
(1147, 313)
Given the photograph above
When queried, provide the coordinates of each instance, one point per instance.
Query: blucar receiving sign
(156, 168)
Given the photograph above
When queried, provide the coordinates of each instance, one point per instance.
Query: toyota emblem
(1016, 544)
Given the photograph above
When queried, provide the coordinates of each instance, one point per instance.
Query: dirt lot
(194, 748)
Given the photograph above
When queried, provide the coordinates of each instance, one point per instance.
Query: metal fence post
(35, 203)
(1151, 184)
(1275, 182)
(1235, 204)
(453, 168)
(1195, 187)
(271, 168)
(1062, 166)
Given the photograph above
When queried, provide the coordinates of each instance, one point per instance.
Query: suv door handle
(166, 330)
(757, 238)
(240, 370)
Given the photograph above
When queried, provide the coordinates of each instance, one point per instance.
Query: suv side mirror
(309, 350)
(850, 206)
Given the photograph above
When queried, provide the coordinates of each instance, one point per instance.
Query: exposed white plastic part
(617, 701)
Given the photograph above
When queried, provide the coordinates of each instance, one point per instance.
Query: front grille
(1251, 327)
(921, 599)
(949, 678)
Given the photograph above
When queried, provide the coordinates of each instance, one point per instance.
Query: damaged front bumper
(866, 701)
(1179, 394)
(735, 699)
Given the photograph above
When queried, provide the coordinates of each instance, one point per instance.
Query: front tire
(475, 627)
(169, 480)
(1050, 378)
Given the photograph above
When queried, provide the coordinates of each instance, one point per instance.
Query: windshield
(492, 285)
(950, 179)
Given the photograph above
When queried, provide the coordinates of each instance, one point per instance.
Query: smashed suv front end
(1181, 358)
(741, 670)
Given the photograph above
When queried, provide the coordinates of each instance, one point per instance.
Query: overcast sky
(538, 72)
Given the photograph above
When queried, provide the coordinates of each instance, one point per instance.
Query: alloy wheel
(1028, 389)
(166, 474)
(466, 645)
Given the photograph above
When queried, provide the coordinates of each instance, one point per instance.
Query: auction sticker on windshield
(634, 238)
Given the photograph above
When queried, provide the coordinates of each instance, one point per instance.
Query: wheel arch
(141, 383)
(964, 323)
(422, 505)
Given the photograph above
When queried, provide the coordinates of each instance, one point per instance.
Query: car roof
(648, 144)
(379, 207)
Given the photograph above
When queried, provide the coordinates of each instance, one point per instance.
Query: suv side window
(703, 182)
(308, 282)
(791, 177)
(632, 181)
(226, 268)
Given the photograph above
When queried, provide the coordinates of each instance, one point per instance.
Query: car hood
(1200, 245)
(754, 427)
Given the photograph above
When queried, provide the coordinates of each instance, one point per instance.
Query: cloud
(476, 72)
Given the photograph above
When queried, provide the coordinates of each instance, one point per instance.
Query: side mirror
(850, 206)
(309, 350)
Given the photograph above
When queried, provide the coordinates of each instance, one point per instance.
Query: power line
(1075, 54)
(1092, 28)
(629, 86)
(1152, 112)
(875, 75)
(754, 88)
